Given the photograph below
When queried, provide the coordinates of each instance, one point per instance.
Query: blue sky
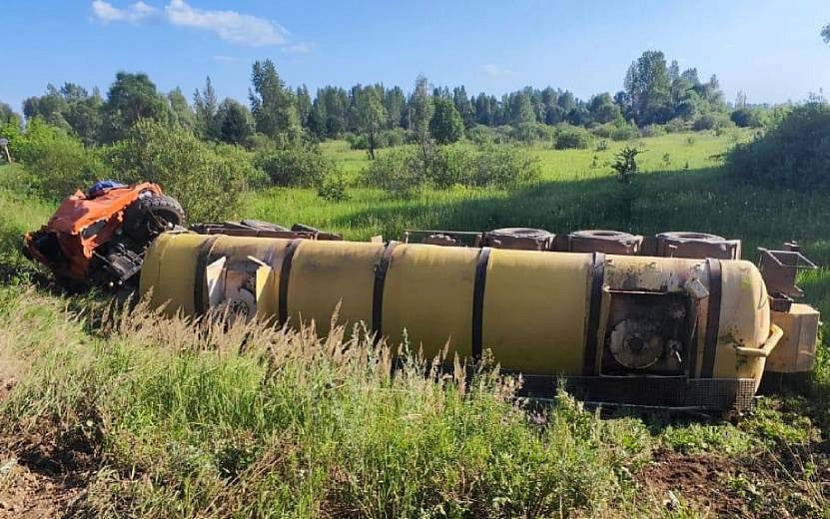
(770, 49)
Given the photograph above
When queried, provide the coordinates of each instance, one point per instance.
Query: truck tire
(151, 215)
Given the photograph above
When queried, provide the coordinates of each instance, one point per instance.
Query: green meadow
(134, 415)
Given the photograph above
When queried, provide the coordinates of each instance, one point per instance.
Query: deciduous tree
(180, 109)
(371, 116)
(647, 85)
(131, 98)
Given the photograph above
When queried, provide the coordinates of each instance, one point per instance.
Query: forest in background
(655, 93)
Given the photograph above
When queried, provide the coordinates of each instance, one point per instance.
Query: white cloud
(229, 25)
(225, 59)
(299, 48)
(137, 12)
(495, 70)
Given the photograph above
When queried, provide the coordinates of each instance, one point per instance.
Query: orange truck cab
(100, 235)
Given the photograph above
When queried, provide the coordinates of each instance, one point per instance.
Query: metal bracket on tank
(233, 287)
(779, 268)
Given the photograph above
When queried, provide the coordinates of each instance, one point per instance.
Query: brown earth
(768, 485)
(693, 479)
(37, 480)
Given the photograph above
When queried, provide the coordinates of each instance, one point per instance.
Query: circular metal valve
(635, 343)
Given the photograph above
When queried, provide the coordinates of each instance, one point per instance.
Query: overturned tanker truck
(676, 320)
(673, 320)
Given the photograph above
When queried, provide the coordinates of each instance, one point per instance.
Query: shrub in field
(795, 153)
(625, 133)
(358, 141)
(404, 170)
(530, 133)
(58, 163)
(750, 117)
(259, 143)
(296, 166)
(400, 172)
(618, 130)
(676, 125)
(625, 164)
(384, 139)
(481, 135)
(653, 130)
(333, 188)
(711, 121)
(452, 165)
(505, 167)
(208, 180)
(572, 137)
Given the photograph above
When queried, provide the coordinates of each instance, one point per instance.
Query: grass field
(128, 415)
(681, 188)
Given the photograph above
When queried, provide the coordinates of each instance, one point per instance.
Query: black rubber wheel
(151, 215)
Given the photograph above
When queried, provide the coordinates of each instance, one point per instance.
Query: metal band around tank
(285, 274)
(710, 344)
(594, 310)
(478, 301)
(381, 268)
(200, 281)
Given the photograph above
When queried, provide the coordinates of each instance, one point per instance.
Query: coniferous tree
(446, 125)
(206, 106)
(272, 104)
(464, 106)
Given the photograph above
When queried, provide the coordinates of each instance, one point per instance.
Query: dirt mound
(767, 485)
(693, 479)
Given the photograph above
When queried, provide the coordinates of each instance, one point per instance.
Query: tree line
(654, 93)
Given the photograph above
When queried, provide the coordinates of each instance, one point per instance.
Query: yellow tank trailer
(677, 332)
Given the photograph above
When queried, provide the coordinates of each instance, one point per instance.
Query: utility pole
(4, 145)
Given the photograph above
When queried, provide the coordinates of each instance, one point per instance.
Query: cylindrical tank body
(580, 315)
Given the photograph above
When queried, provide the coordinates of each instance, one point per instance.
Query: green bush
(384, 139)
(207, 180)
(400, 172)
(749, 117)
(57, 162)
(795, 153)
(452, 165)
(299, 166)
(481, 135)
(405, 170)
(677, 125)
(624, 132)
(653, 130)
(531, 133)
(573, 137)
(618, 130)
(505, 167)
(603, 131)
(260, 143)
(333, 189)
(711, 121)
